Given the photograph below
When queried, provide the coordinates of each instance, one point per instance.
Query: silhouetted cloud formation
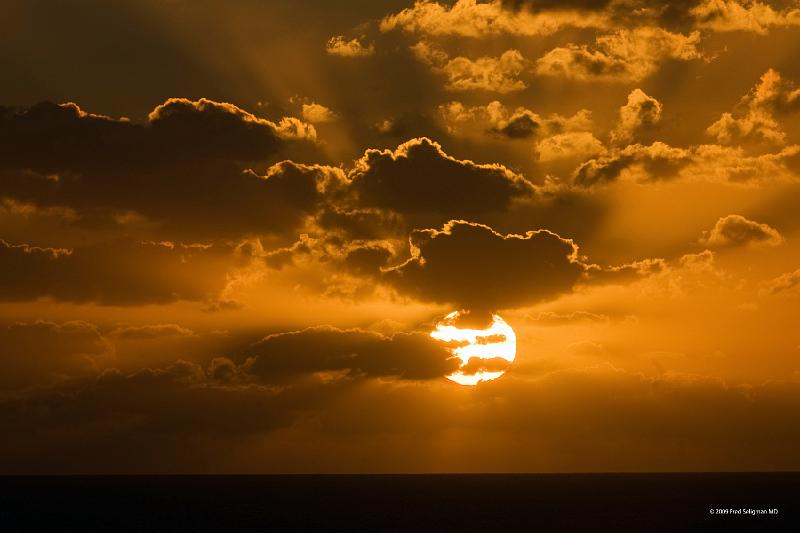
(473, 266)
(183, 169)
(419, 177)
(282, 356)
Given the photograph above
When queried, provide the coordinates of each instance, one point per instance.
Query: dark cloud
(419, 177)
(284, 356)
(361, 223)
(543, 5)
(141, 421)
(174, 419)
(210, 129)
(119, 273)
(473, 266)
(50, 137)
(521, 126)
(368, 258)
(40, 352)
(736, 230)
(185, 169)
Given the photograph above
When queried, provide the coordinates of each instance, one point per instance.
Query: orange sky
(227, 230)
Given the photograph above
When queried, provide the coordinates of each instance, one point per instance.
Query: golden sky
(228, 229)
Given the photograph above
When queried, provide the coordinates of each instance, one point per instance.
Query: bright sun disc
(485, 353)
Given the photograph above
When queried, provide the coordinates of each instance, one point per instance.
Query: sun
(485, 353)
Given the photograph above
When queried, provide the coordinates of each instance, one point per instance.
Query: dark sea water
(568, 502)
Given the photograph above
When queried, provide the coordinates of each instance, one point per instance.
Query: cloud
(361, 223)
(494, 74)
(736, 230)
(652, 162)
(626, 273)
(148, 414)
(41, 352)
(472, 266)
(119, 273)
(784, 282)
(708, 162)
(557, 136)
(556, 319)
(745, 16)
(669, 422)
(317, 113)
(151, 331)
(575, 144)
(640, 113)
(339, 46)
(469, 18)
(220, 129)
(624, 56)
(758, 119)
(419, 177)
(519, 123)
(356, 352)
(182, 170)
(367, 258)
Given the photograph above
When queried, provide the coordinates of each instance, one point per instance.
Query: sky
(228, 229)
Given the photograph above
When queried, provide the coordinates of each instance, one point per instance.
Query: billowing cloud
(641, 112)
(339, 46)
(220, 129)
(183, 170)
(495, 74)
(652, 162)
(623, 56)
(708, 162)
(283, 356)
(757, 119)
(470, 18)
(736, 230)
(519, 123)
(470, 265)
(743, 15)
(419, 177)
(574, 144)
(557, 136)
(317, 113)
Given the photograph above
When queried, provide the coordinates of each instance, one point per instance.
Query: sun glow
(485, 353)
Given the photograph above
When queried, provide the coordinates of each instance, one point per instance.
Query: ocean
(414, 503)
